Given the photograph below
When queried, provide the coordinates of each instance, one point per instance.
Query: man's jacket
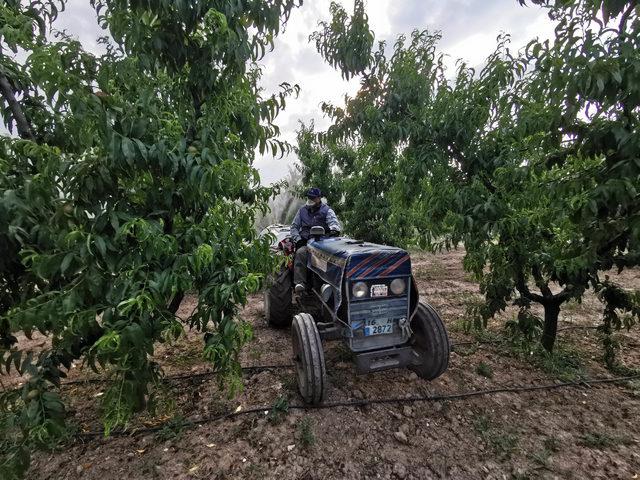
(313, 216)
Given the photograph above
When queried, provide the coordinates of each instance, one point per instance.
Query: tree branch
(541, 283)
(522, 287)
(24, 129)
(565, 294)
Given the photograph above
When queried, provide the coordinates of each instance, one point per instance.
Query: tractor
(363, 294)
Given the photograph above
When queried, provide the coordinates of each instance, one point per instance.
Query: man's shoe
(299, 288)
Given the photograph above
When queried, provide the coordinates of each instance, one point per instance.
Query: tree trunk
(551, 313)
(175, 302)
(24, 129)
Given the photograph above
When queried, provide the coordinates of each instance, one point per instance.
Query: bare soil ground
(571, 433)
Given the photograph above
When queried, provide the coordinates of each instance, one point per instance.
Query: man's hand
(300, 243)
(334, 233)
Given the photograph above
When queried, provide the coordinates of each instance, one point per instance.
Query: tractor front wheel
(308, 357)
(430, 343)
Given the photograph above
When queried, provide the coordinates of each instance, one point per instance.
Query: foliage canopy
(530, 162)
(129, 183)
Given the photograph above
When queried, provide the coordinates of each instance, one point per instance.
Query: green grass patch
(305, 432)
(162, 402)
(542, 458)
(552, 444)
(278, 411)
(603, 440)
(485, 370)
(564, 363)
(503, 442)
(172, 429)
(289, 382)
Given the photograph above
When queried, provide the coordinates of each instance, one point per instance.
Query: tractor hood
(361, 259)
(336, 258)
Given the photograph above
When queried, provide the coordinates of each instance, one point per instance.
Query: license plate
(378, 327)
(379, 290)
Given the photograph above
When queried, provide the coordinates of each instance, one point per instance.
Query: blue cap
(314, 193)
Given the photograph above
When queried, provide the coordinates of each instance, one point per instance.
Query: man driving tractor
(315, 213)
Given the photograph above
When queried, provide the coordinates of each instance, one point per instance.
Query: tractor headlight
(398, 286)
(359, 289)
(326, 291)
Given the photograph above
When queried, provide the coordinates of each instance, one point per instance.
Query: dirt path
(564, 433)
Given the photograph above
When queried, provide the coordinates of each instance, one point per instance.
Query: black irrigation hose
(375, 401)
(252, 368)
(258, 368)
(187, 376)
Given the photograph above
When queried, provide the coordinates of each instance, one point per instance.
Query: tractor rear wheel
(430, 343)
(308, 357)
(278, 304)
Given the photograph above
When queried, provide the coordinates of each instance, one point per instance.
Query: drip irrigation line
(587, 383)
(258, 368)
(186, 376)
(251, 368)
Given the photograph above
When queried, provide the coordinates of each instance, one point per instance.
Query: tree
(585, 93)
(531, 162)
(130, 183)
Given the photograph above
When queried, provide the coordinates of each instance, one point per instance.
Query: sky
(469, 29)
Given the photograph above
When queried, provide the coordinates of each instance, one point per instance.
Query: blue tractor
(364, 294)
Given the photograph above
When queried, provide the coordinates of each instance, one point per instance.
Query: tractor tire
(308, 357)
(430, 343)
(278, 304)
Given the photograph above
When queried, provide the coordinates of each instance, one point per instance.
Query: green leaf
(66, 262)
(128, 150)
(100, 243)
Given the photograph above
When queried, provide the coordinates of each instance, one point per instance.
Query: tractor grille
(382, 309)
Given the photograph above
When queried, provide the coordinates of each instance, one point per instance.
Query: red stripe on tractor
(395, 266)
(361, 264)
(373, 267)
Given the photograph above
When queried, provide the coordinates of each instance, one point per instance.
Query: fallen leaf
(290, 447)
(238, 409)
(140, 451)
(194, 468)
(210, 445)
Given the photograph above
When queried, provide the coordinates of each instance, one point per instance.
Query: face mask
(310, 203)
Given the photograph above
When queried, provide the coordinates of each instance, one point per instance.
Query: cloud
(79, 20)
